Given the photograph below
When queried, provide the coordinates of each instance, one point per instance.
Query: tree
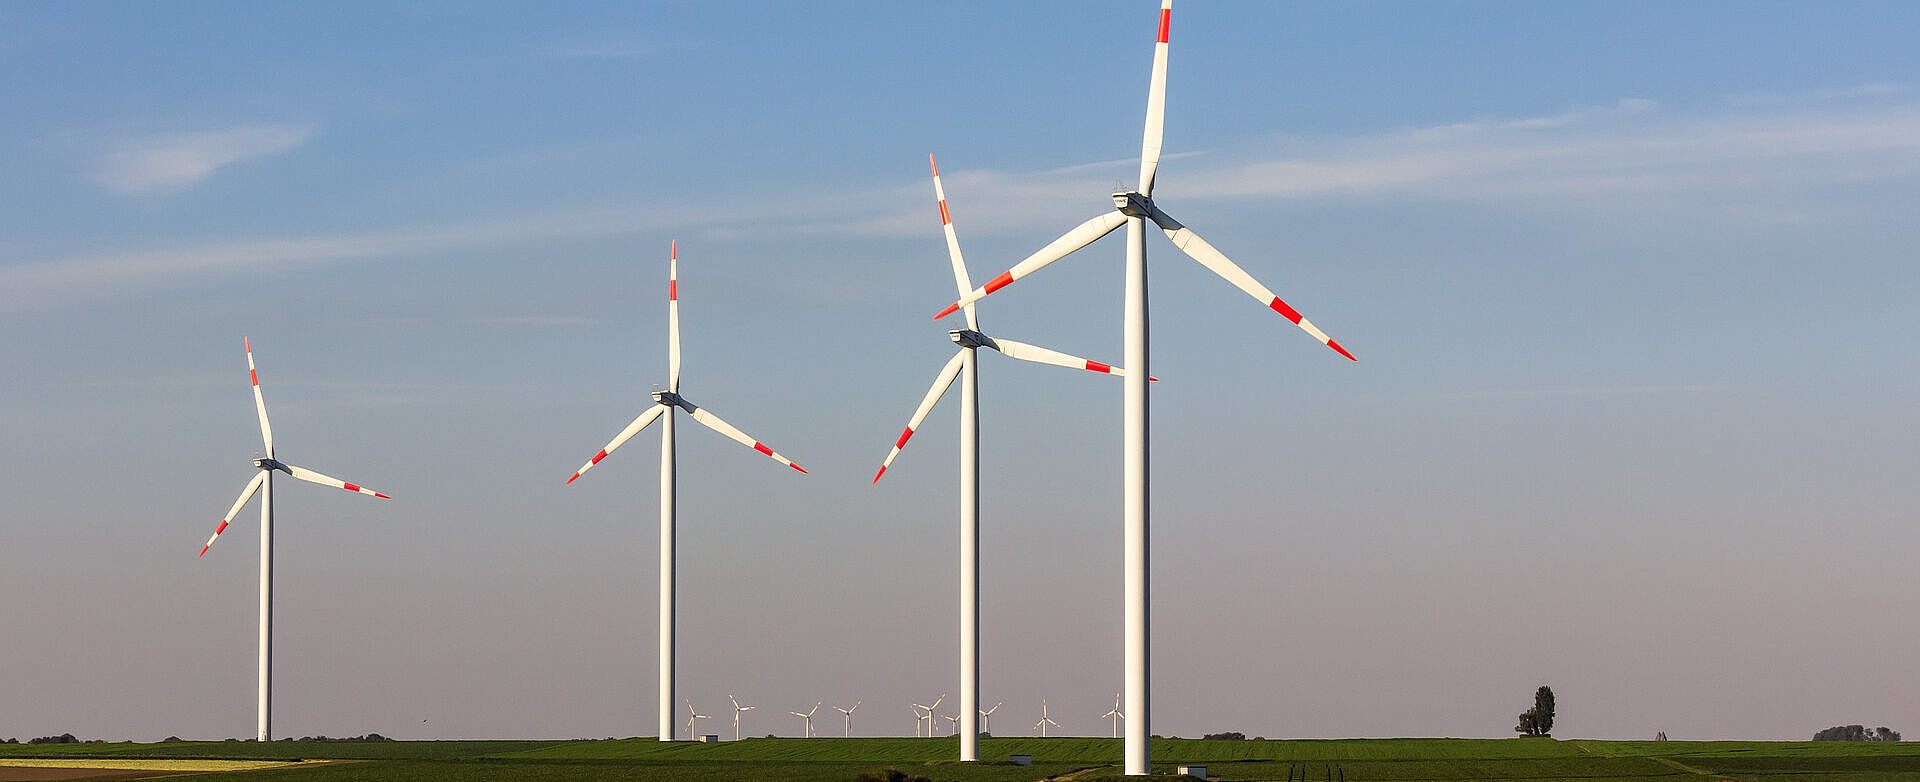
(1857, 733)
(1538, 721)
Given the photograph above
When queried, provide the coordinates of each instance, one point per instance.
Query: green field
(1086, 759)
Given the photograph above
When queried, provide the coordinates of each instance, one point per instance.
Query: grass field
(1085, 759)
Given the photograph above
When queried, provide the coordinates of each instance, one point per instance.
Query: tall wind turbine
(1132, 209)
(1045, 721)
(737, 709)
(263, 479)
(962, 365)
(662, 410)
(847, 714)
(692, 715)
(986, 715)
(806, 719)
(1115, 715)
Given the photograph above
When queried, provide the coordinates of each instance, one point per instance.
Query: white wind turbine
(737, 709)
(918, 717)
(1045, 721)
(847, 715)
(806, 719)
(953, 723)
(962, 365)
(1132, 209)
(986, 715)
(662, 410)
(1115, 715)
(691, 716)
(263, 479)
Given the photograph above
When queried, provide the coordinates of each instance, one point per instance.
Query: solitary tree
(1538, 721)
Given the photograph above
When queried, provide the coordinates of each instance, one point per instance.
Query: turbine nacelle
(272, 464)
(968, 338)
(671, 399)
(1133, 204)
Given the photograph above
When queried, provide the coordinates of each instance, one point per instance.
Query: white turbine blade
(327, 480)
(713, 422)
(961, 282)
(1156, 104)
(941, 383)
(1040, 355)
(1201, 250)
(673, 317)
(259, 477)
(1082, 235)
(259, 402)
(643, 421)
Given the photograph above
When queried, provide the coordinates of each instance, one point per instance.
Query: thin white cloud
(169, 162)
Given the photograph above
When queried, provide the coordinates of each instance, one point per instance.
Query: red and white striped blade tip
(951, 308)
(876, 476)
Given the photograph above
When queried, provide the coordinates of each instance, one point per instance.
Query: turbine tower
(806, 719)
(847, 714)
(986, 726)
(262, 482)
(737, 708)
(691, 716)
(1045, 721)
(1115, 715)
(662, 410)
(962, 365)
(1133, 209)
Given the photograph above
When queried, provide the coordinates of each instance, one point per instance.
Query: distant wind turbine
(928, 716)
(737, 709)
(691, 716)
(664, 403)
(263, 482)
(806, 719)
(1045, 721)
(1115, 715)
(953, 723)
(847, 714)
(985, 715)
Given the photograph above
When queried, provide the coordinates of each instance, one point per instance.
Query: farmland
(1088, 759)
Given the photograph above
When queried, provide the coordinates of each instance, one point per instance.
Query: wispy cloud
(168, 162)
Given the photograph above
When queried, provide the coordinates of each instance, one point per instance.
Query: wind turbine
(953, 723)
(847, 713)
(263, 479)
(920, 707)
(986, 726)
(737, 708)
(662, 410)
(691, 716)
(1115, 715)
(962, 365)
(806, 719)
(1133, 209)
(1045, 721)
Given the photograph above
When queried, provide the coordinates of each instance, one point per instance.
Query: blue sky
(1630, 285)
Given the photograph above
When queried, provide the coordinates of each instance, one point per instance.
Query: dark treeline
(1857, 733)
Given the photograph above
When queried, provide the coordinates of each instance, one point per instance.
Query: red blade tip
(382, 496)
(933, 163)
(951, 308)
(1342, 351)
(1153, 378)
(876, 476)
(576, 476)
(203, 551)
(803, 470)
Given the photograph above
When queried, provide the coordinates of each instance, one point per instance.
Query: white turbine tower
(847, 715)
(691, 716)
(263, 479)
(962, 365)
(986, 715)
(1115, 715)
(806, 719)
(1133, 209)
(662, 410)
(1045, 721)
(737, 709)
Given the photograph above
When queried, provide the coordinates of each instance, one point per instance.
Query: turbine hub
(1133, 204)
(272, 464)
(968, 338)
(669, 399)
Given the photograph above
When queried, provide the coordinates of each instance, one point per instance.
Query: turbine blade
(962, 283)
(259, 477)
(643, 421)
(941, 382)
(1201, 250)
(1082, 235)
(327, 480)
(1156, 104)
(673, 316)
(1040, 355)
(259, 402)
(713, 422)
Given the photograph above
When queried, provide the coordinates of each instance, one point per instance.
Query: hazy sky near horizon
(1631, 284)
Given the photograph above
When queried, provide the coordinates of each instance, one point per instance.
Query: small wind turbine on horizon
(806, 719)
(737, 709)
(1115, 715)
(963, 365)
(1045, 721)
(1133, 208)
(986, 727)
(918, 716)
(262, 482)
(692, 715)
(847, 714)
(953, 723)
(664, 403)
